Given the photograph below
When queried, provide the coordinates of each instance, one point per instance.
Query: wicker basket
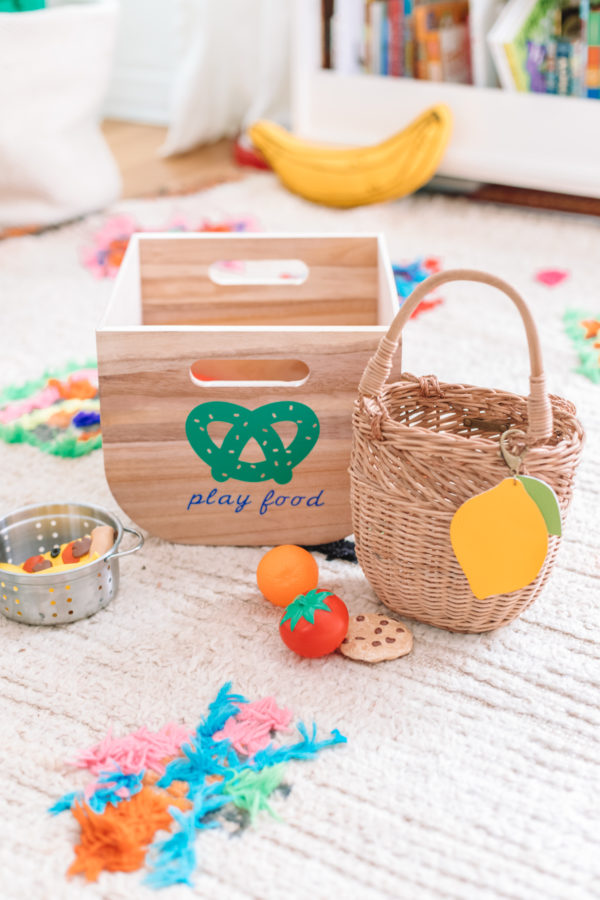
(421, 448)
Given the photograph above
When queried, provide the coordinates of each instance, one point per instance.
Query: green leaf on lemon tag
(545, 499)
(500, 539)
(305, 606)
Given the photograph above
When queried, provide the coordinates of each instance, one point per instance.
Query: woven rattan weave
(421, 448)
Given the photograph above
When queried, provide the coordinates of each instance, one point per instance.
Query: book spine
(420, 23)
(592, 74)
(551, 75)
(455, 56)
(375, 36)
(385, 41)
(409, 39)
(516, 70)
(564, 74)
(433, 52)
(396, 48)
(326, 15)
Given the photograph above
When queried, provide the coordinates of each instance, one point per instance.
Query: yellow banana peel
(357, 176)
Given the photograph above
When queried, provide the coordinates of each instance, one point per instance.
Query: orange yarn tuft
(79, 388)
(118, 838)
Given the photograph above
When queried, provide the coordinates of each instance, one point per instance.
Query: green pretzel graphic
(279, 461)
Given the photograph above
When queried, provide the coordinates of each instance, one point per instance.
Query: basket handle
(380, 365)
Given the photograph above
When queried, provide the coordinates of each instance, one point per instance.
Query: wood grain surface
(147, 390)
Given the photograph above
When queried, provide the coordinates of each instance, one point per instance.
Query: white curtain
(234, 69)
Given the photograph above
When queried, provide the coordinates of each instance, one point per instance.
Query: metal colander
(47, 599)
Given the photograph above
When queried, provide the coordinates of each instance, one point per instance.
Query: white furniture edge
(526, 140)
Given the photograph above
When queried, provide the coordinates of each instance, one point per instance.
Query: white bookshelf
(526, 140)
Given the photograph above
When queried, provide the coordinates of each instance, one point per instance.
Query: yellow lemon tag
(500, 539)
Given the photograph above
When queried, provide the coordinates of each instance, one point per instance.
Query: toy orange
(286, 571)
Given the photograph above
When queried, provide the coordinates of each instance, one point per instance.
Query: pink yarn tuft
(135, 752)
(41, 400)
(551, 277)
(250, 730)
(90, 375)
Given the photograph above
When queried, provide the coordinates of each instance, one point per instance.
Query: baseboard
(139, 94)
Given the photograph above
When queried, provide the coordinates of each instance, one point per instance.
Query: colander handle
(133, 549)
(380, 365)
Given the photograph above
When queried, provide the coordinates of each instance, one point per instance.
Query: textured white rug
(472, 766)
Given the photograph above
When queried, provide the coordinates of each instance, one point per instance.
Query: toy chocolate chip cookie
(372, 637)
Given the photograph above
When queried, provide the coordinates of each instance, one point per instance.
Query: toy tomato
(75, 550)
(67, 554)
(314, 624)
(36, 564)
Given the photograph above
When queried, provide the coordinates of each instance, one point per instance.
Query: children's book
(541, 67)
(592, 75)
(385, 41)
(442, 40)
(538, 45)
(509, 26)
(396, 43)
(408, 37)
(326, 15)
(455, 53)
(377, 16)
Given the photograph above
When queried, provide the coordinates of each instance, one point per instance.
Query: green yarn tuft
(250, 790)
(65, 445)
(13, 392)
(589, 358)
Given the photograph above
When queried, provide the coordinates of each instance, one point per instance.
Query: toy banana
(356, 176)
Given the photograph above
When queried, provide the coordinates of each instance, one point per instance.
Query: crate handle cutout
(232, 272)
(249, 372)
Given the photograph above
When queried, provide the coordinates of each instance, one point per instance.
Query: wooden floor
(146, 174)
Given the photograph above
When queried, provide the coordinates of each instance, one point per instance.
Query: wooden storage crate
(185, 360)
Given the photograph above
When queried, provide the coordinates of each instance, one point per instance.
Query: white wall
(145, 61)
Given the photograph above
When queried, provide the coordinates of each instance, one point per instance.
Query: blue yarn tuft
(85, 418)
(205, 757)
(173, 860)
(65, 802)
(222, 708)
(109, 783)
(307, 748)
(407, 277)
(207, 799)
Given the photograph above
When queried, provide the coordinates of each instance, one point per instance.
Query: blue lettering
(267, 501)
(242, 502)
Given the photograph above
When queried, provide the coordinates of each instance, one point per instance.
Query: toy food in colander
(68, 556)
